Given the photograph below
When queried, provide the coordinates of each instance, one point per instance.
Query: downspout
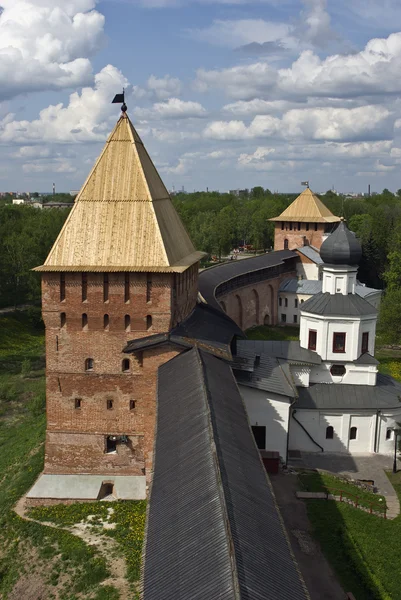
(378, 412)
(288, 431)
(307, 432)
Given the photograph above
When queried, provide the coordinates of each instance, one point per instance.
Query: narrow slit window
(365, 342)
(280, 301)
(299, 226)
(78, 403)
(312, 339)
(286, 244)
(286, 302)
(106, 322)
(295, 318)
(389, 433)
(307, 227)
(125, 366)
(84, 287)
(353, 433)
(282, 225)
(296, 303)
(109, 404)
(85, 322)
(131, 404)
(62, 287)
(89, 364)
(315, 226)
(148, 322)
(63, 320)
(127, 323)
(329, 432)
(105, 287)
(148, 289)
(126, 287)
(56, 343)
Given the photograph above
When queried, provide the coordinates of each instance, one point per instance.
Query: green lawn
(363, 549)
(265, 332)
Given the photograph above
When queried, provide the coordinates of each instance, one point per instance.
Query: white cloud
(54, 166)
(85, 119)
(257, 106)
(241, 31)
(164, 87)
(45, 45)
(174, 108)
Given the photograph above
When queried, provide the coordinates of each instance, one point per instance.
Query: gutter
(378, 412)
(307, 432)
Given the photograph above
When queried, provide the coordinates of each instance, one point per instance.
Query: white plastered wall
(387, 420)
(308, 270)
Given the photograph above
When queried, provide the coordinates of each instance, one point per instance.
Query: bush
(37, 406)
(26, 367)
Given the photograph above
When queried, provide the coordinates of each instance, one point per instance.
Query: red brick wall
(76, 437)
(296, 238)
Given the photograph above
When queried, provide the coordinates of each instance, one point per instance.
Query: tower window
(352, 433)
(89, 364)
(106, 322)
(126, 287)
(111, 444)
(365, 342)
(85, 322)
(127, 323)
(286, 244)
(282, 225)
(339, 342)
(105, 287)
(312, 338)
(329, 432)
(62, 287)
(84, 287)
(291, 226)
(125, 365)
(148, 289)
(63, 319)
(307, 226)
(78, 403)
(148, 322)
(315, 226)
(299, 226)
(131, 404)
(109, 404)
(389, 433)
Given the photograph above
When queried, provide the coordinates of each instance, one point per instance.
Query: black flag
(118, 99)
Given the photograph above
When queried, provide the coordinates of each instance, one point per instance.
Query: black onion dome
(341, 247)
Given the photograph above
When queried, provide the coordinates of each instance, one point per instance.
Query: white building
(323, 393)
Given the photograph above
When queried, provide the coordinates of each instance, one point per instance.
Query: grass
(363, 549)
(313, 481)
(265, 332)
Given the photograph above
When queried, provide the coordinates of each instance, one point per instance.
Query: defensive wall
(247, 290)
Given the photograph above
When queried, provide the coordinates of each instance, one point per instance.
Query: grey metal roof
(211, 278)
(364, 290)
(341, 247)
(366, 359)
(385, 394)
(311, 253)
(302, 286)
(263, 372)
(290, 351)
(327, 304)
(213, 528)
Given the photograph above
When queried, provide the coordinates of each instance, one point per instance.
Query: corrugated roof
(307, 208)
(350, 305)
(290, 351)
(214, 529)
(385, 394)
(311, 253)
(123, 218)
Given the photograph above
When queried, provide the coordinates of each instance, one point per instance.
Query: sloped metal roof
(302, 286)
(123, 218)
(307, 208)
(311, 253)
(385, 394)
(291, 351)
(350, 305)
(213, 529)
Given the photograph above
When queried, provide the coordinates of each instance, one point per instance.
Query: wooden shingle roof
(123, 218)
(307, 208)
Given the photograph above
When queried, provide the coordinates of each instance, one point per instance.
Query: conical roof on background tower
(307, 208)
(123, 218)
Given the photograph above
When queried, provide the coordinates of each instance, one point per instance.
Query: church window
(109, 404)
(282, 224)
(329, 432)
(295, 318)
(84, 287)
(89, 364)
(286, 302)
(339, 342)
(338, 370)
(353, 432)
(148, 322)
(299, 226)
(283, 318)
(365, 342)
(307, 226)
(78, 403)
(105, 287)
(131, 404)
(85, 322)
(111, 444)
(125, 365)
(63, 319)
(389, 433)
(126, 287)
(315, 226)
(280, 301)
(106, 322)
(286, 244)
(148, 289)
(296, 302)
(127, 323)
(312, 339)
(62, 287)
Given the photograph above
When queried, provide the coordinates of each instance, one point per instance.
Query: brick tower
(304, 223)
(122, 267)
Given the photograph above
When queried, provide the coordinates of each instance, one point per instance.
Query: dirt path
(316, 571)
(105, 545)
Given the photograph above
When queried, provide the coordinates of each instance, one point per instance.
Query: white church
(323, 393)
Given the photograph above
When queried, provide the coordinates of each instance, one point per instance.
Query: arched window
(125, 365)
(148, 322)
(109, 404)
(89, 364)
(352, 433)
(132, 404)
(85, 322)
(106, 322)
(329, 432)
(389, 433)
(127, 323)
(285, 244)
(63, 319)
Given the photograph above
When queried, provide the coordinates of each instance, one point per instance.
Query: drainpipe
(307, 432)
(288, 431)
(378, 412)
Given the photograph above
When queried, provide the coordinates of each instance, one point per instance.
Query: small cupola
(341, 247)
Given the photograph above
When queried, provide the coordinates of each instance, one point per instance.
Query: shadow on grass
(265, 332)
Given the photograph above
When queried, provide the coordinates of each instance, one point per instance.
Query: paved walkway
(362, 466)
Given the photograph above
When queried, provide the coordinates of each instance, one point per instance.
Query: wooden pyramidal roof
(123, 218)
(307, 208)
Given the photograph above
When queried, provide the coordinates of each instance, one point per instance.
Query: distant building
(18, 201)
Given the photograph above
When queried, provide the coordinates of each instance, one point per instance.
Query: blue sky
(225, 94)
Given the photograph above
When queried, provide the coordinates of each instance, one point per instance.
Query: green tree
(389, 324)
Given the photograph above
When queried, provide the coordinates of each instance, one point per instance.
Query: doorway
(259, 433)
